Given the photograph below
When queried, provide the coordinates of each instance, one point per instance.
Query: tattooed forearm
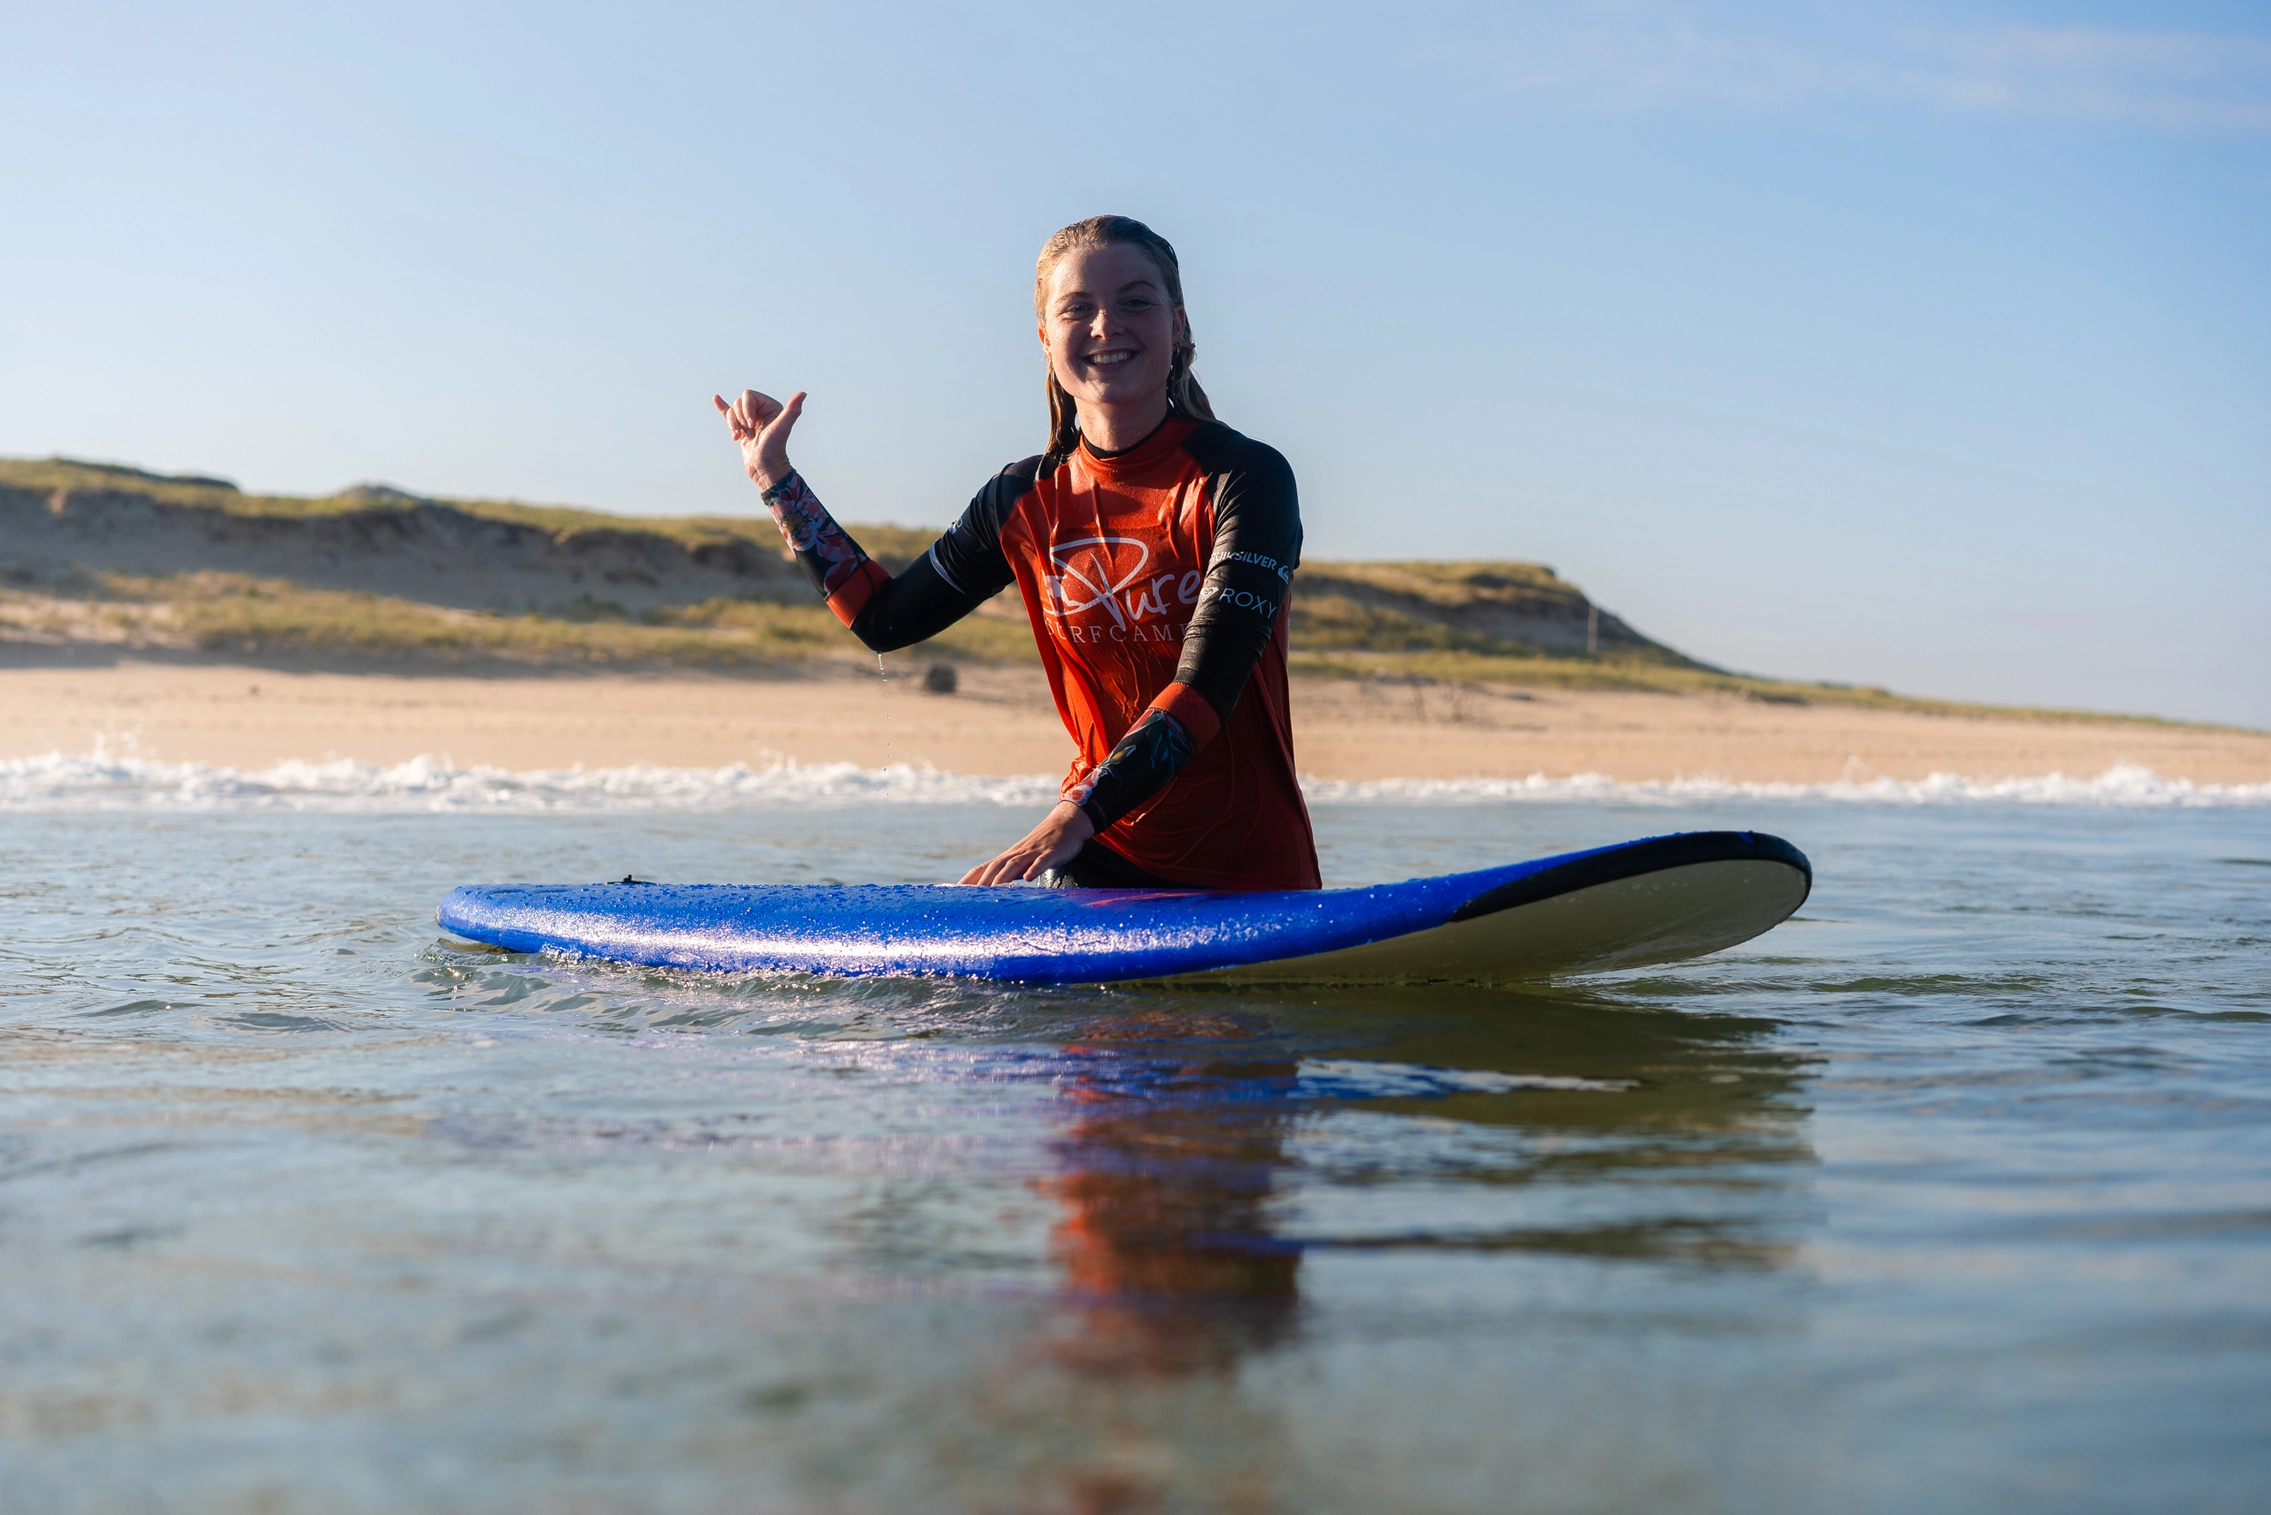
(828, 557)
(1139, 765)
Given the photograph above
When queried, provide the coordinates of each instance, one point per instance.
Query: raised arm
(883, 611)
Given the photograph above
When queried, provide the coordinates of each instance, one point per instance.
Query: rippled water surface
(1954, 1193)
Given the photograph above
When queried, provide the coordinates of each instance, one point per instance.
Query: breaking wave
(103, 782)
(100, 781)
(2124, 785)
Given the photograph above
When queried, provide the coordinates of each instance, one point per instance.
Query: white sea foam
(101, 781)
(2124, 785)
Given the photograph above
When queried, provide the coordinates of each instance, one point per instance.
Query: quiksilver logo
(1273, 565)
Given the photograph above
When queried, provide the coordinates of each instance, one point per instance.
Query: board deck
(1657, 900)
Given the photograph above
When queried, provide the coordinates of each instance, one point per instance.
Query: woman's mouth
(1107, 359)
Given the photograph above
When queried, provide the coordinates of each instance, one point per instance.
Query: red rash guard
(1156, 580)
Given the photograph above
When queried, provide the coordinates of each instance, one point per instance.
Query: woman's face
(1108, 326)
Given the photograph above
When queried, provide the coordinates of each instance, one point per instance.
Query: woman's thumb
(789, 413)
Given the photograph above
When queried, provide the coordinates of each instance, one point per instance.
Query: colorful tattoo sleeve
(845, 576)
(1139, 765)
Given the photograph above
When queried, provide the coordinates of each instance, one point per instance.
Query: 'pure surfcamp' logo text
(1102, 592)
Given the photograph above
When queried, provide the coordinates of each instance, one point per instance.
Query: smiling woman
(1154, 547)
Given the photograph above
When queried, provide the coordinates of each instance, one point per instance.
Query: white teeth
(1110, 357)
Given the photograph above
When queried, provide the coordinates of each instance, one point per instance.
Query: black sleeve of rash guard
(1257, 545)
(963, 569)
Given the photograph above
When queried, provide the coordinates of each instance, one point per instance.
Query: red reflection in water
(1166, 1243)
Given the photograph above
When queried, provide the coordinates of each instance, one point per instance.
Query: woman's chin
(1116, 390)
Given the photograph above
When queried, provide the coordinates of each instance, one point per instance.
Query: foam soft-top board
(1651, 901)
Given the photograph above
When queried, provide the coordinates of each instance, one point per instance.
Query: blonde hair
(1184, 397)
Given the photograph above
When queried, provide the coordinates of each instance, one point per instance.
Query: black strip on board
(1635, 859)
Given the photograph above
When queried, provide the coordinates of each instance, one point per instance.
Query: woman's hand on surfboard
(761, 424)
(1052, 844)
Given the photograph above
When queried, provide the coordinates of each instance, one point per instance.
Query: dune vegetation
(77, 566)
(237, 613)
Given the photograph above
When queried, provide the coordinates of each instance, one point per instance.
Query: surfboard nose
(1608, 865)
(1661, 900)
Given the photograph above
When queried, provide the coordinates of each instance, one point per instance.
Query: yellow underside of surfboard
(1658, 917)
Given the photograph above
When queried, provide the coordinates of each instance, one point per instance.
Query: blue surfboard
(1651, 901)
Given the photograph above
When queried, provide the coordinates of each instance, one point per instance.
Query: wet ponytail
(1184, 397)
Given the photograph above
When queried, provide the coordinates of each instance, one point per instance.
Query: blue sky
(1916, 344)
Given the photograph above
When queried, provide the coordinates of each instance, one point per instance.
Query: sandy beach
(1000, 721)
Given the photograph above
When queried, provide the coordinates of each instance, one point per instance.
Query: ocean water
(1952, 1193)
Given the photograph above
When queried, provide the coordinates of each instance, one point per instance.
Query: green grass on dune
(891, 544)
(1459, 585)
(1642, 676)
(236, 613)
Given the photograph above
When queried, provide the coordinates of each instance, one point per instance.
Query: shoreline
(253, 715)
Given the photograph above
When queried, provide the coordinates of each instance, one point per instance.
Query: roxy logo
(1246, 599)
(1108, 574)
